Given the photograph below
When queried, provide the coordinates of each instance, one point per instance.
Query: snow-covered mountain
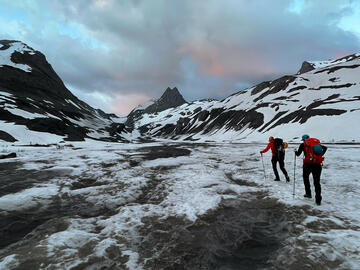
(322, 101)
(36, 107)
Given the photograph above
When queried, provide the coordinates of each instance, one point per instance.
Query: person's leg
(316, 172)
(274, 161)
(306, 174)
(282, 167)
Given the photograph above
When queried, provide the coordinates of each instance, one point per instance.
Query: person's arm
(324, 148)
(266, 149)
(300, 150)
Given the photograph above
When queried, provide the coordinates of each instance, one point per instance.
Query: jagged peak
(171, 98)
(172, 93)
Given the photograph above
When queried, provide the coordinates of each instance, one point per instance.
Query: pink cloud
(341, 53)
(122, 105)
(224, 60)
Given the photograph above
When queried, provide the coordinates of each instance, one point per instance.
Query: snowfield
(174, 205)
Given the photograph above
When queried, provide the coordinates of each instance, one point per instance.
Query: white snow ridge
(16, 46)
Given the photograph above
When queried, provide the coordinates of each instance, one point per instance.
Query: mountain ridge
(322, 94)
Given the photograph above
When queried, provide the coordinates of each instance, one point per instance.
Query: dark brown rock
(11, 155)
(305, 67)
(6, 137)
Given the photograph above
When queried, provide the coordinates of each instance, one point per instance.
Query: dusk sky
(115, 54)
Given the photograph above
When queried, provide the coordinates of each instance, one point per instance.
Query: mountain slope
(322, 99)
(323, 102)
(34, 99)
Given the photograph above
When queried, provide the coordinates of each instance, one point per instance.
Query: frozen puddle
(172, 206)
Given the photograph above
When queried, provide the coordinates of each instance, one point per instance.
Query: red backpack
(310, 156)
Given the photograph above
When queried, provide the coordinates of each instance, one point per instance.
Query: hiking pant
(279, 159)
(315, 170)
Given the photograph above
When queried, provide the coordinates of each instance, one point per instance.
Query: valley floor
(168, 205)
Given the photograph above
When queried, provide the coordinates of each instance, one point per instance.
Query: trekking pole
(294, 174)
(263, 166)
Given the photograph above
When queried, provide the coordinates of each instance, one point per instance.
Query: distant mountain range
(322, 99)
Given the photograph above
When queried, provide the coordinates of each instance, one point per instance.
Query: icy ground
(173, 205)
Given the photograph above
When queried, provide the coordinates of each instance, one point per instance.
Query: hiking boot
(287, 179)
(276, 179)
(307, 196)
(318, 200)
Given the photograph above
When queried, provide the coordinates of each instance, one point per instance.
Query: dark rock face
(11, 155)
(58, 127)
(6, 137)
(333, 69)
(275, 86)
(170, 99)
(305, 67)
(106, 115)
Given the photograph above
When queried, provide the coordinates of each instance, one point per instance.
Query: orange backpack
(310, 156)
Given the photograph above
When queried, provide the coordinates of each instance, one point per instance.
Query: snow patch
(27, 198)
(5, 56)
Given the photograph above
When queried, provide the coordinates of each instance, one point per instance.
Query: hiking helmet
(271, 138)
(304, 137)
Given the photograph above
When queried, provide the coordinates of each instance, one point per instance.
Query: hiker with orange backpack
(277, 147)
(312, 163)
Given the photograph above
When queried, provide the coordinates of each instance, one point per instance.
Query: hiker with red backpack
(277, 147)
(312, 163)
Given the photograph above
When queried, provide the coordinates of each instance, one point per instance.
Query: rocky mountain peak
(305, 67)
(171, 98)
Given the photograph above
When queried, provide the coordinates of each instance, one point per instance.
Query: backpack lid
(317, 149)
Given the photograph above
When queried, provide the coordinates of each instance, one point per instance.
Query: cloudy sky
(115, 54)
